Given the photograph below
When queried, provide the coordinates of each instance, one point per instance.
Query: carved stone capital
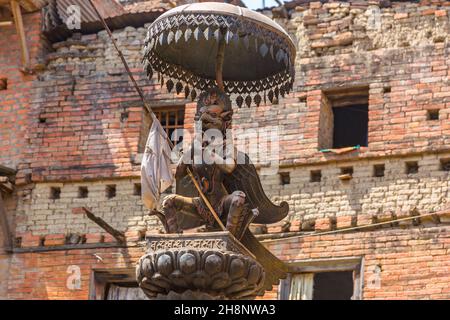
(199, 268)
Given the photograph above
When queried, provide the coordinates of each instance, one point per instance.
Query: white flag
(156, 175)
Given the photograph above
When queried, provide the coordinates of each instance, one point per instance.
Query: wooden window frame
(334, 98)
(101, 279)
(355, 264)
(158, 109)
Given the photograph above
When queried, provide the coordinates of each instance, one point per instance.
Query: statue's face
(212, 113)
(211, 117)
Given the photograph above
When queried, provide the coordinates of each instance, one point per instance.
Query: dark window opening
(55, 193)
(347, 170)
(344, 118)
(333, 285)
(111, 191)
(18, 242)
(3, 83)
(302, 99)
(124, 116)
(42, 120)
(412, 167)
(315, 176)
(137, 189)
(346, 173)
(378, 170)
(83, 192)
(285, 178)
(387, 90)
(445, 164)
(433, 114)
(350, 126)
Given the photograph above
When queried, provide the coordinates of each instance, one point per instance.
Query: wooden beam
(119, 236)
(27, 5)
(18, 21)
(6, 23)
(86, 246)
(7, 171)
(6, 186)
(7, 238)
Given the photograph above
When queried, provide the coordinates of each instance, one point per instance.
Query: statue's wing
(245, 178)
(274, 268)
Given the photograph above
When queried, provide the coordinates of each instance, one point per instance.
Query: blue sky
(255, 4)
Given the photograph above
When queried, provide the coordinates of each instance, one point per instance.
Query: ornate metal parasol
(203, 45)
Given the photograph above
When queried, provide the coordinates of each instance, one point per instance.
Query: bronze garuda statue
(220, 50)
(229, 181)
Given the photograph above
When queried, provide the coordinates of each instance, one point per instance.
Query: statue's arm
(183, 164)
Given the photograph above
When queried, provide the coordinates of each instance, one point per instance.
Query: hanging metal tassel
(162, 80)
(257, 99)
(217, 35)
(246, 41)
(150, 73)
(193, 94)
(265, 98)
(187, 34)
(287, 88)
(263, 50)
(270, 95)
(149, 70)
(239, 101)
(228, 36)
(277, 92)
(207, 33)
(161, 38)
(169, 85)
(248, 101)
(178, 35)
(178, 87)
(170, 37)
(282, 92)
(186, 91)
(280, 55)
(197, 33)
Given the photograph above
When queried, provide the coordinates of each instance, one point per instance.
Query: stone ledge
(366, 222)
(351, 221)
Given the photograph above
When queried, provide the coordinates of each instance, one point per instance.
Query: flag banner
(156, 173)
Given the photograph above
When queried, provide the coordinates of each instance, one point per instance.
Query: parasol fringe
(218, 28)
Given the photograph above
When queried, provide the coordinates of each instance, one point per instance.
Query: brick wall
(91, 115)
(414, 69)
(14, 102)
(414, 264)
(40, 215)
(83, 125)
(364, 194)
